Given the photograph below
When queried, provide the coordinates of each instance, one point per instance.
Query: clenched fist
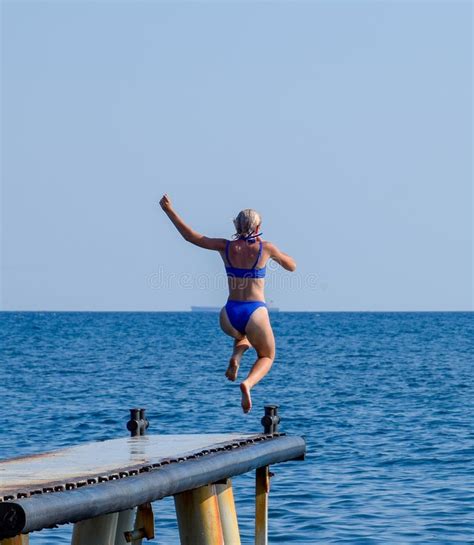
(165, 203)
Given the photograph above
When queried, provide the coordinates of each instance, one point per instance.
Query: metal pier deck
(88, 481)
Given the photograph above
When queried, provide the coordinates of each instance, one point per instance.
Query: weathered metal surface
(162, 479)
(17, 540)
(227, 512)
(144, 525)
(91, 463)
(198, 517)
(262, 488)
(96, 531)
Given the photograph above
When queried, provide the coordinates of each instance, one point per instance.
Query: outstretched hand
(165, 203)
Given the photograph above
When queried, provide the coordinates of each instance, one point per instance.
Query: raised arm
(281, 258)
(187, 232)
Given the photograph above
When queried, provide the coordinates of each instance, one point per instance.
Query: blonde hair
(246, 222)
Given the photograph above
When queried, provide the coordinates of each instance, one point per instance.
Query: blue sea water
(385, 400)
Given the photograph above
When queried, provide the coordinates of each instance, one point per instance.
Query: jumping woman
(245, 315)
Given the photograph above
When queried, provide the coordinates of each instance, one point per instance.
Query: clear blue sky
(348, 125)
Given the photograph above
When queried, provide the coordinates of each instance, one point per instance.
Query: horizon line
(215, 312)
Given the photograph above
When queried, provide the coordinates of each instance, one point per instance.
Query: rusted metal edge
(128, 471)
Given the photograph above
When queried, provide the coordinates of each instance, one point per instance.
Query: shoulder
(218, 244)
(272, 250)
(269, 246)
(221, 244)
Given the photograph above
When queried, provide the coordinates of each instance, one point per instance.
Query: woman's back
(245, 266)
(244, 254)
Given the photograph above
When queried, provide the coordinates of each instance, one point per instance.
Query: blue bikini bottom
(239, 312)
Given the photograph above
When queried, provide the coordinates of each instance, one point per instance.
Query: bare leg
(258, 371)
(260, 334)
(240, 346)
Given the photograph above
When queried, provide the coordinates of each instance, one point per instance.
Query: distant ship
(218, 309)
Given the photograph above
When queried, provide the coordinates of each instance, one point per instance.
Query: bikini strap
(258, 255)
(227, 243)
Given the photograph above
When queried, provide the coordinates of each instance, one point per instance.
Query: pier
(107, 488)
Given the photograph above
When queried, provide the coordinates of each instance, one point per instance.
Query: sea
(384, 400)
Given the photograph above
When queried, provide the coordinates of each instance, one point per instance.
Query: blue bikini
(239, 312)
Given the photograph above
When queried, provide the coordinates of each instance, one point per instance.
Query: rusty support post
(262, 488)
(96, 531)
(198, 517)
(144, 527)
(23, 539)
(228, 514)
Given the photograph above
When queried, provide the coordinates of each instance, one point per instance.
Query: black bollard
(271, 419)
(138, 424)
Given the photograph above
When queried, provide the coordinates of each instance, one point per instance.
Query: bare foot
(233, 368)
(246, 399)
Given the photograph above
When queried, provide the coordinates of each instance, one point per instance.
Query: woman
(245, 315)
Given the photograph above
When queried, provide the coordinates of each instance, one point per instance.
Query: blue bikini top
(237, 272)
